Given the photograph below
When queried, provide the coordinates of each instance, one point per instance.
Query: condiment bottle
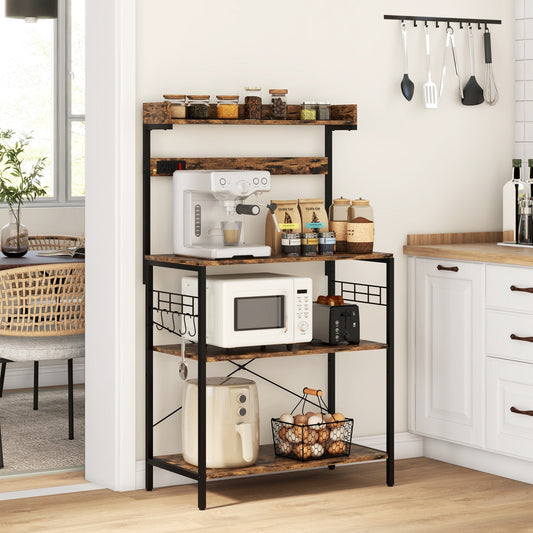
(278, 102)
(308, 111)
(177, 105)
(338, 221)
(360, 228)
(513, 192)
(228, 106)
(252, 103)
(525, 224)
(197, 106)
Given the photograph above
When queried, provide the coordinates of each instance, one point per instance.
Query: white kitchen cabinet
(449, 317)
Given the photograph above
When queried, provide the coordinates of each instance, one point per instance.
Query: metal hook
(184, 321)
(426, 23)
(159, 327)
(479, 25)
(173, 323)
(436, 24)
(448, 25)
(461, 25)
(486, 27)
(414, 23)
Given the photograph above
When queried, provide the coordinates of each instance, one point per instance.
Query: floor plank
(41, 481)
(429, 496)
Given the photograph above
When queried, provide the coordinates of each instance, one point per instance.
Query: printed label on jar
(360, 232)
(290, 242)
(339, 228)
(315, 225)
(292, 225)
(326, 240)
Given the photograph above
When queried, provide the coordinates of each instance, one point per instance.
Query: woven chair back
(53, 242)
(43, 301)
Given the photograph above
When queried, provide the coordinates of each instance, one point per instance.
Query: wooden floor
(30, 482)
(429, 496)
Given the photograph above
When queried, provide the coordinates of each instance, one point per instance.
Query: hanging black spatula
(472, 91)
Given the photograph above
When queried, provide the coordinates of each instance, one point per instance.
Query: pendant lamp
(31, 10)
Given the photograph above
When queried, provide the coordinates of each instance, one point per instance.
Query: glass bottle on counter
(228, 106)
(253, 103)
(525, 223)
(513, 191)
(278, 109)
(177, 105)
(197, 106)
(338, 222)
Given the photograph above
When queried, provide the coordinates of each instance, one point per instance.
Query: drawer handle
(518, 412)
(517, 338)
(452, 269)
(524, 289)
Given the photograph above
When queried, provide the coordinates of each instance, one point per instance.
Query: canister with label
(360, 228)
(338, 221)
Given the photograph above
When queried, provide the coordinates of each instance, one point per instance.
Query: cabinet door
(448, 350)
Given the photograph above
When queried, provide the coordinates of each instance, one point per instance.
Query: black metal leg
(1, 451)
(70, 400)
(35, 385)
(390, 372)
(202, 349)
(2, 377)
(149, 378)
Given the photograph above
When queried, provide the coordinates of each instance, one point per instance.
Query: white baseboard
(477, 459)
(21, 377)
(405, 445)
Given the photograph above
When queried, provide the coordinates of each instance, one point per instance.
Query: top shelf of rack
(345, 115)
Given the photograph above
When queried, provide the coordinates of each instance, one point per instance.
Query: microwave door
(260, 313)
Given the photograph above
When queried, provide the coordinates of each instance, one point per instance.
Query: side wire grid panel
(362, 293)
(176, 313)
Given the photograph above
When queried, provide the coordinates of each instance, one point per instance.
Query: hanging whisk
(490, 91)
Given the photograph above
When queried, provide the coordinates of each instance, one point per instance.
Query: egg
(317, 449)
(311, 437)
(286, 419)
(302, 451)
(338, 434)
(300, 420)
(337, 420)
(283, 433)
(309, 414)
(316, 421)
(294, 437)
(327, 418)
(323, 435)
(284, 448)
(337, 447)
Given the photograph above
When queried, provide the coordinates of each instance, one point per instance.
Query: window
(43, 92)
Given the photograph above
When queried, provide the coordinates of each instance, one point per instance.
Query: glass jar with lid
(177, 105)
(308, 111)
(360, 228)
(197, 106)
(228, 106)
(253, 103)
(338, 221)
(323, 111)
(278, 100)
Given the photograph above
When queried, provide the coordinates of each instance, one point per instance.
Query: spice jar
(197, 106)
(252, 103)
(309, 246)
(323, 111)
(228, 106)
(308, 111)
(360, 229)
(290, 244)
(279, 103)
(326, 243)
(338, 221)
(177, 105)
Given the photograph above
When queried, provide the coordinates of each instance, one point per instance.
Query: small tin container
(309, 247)
(290, 244)
(326, 243)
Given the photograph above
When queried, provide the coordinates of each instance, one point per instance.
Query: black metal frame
(148, 274)
(448, 20)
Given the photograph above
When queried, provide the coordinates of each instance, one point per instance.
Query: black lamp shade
(31, 9)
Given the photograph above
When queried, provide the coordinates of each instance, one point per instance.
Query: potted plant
(19, 182)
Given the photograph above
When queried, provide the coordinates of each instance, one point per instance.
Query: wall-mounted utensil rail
(447, 20)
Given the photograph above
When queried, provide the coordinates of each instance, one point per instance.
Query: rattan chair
(42, 317)
(53, 242)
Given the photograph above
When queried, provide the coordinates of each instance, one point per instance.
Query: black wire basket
(312, 441)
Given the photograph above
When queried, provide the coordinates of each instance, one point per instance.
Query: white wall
(422, 170)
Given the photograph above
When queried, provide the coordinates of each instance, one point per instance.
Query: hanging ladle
(408, 87)
(472, 91)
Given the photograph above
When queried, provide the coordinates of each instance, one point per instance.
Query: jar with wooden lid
(278, 110)
(197, 106)
(338, 221)
(253, 103)
(360, 227)
(177, 105)
(228, 106)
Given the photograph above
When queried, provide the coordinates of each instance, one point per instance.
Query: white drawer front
(509, 384)
(500, 279)
(500, 326)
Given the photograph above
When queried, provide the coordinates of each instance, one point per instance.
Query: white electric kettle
(232, 422)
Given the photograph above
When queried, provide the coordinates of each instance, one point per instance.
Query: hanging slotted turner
(472, 91)
(430, 89)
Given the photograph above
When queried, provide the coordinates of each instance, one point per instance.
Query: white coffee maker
(209, 213)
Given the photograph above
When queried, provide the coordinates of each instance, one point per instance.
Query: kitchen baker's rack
(157, 116)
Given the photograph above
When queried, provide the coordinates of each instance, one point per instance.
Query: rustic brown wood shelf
(268, 462)
(214, 353)
(170, 259)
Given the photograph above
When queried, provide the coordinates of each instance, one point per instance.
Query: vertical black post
(149, 376)
(35, 385)
(2, 377)
(328, 152)
(70, 382)
(202, 350)
(1, 451)
(146, 194)
(390, 371)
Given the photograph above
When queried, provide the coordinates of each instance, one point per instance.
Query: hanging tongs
(450, 39)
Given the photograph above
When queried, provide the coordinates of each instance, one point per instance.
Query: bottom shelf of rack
(268, 462)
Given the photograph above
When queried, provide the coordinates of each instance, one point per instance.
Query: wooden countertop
(468, 247)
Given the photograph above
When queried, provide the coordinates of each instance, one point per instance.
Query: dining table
(32, 258)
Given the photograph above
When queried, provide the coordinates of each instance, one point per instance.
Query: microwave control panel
(304, 311)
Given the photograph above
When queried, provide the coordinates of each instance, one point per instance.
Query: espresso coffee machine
(209, 213)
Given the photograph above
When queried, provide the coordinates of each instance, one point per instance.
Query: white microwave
(255, 309)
